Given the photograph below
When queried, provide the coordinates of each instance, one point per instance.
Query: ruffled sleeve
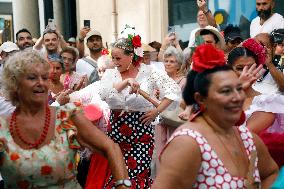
(106, 89)
(85, 95)
(66, 125)
(273, 103)
(168, 87)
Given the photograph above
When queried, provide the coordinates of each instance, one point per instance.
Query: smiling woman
(33, 136)
(214, 153)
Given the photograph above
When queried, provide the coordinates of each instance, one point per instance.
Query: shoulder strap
(91, 62)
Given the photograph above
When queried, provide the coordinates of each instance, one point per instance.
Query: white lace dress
(136, 140)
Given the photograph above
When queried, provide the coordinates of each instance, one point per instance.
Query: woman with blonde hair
(39, 142)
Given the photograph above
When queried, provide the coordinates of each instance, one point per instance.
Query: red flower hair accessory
(260, 51)
(206, 56)
(105, 52)
(137, 46)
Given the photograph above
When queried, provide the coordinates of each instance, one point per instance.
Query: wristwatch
(125, 182)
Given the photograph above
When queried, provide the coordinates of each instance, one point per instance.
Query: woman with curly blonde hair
(38, 142)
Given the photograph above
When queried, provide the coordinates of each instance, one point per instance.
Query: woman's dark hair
(200, 82)
(240, 52)
(70, 50)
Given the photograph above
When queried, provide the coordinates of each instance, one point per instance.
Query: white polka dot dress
(212, 173)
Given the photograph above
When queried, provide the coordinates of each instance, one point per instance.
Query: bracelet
(208, 11)
(158, 111)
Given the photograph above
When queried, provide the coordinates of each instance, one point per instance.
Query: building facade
(151, 18)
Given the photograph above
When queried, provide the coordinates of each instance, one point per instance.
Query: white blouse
(149, 81)
(272, 103)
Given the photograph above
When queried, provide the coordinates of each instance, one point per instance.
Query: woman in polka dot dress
(209, 152)
(131, 114)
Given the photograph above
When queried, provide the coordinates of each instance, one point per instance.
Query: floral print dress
(52, 166)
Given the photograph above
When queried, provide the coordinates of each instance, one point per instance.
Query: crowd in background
(75, 114)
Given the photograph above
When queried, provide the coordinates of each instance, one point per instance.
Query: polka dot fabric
(212, 173)
(136, 142)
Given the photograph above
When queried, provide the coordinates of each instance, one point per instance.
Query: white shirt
(147, 77)
(84, 67)
(6, 107)
(267, 85)
(276, 21)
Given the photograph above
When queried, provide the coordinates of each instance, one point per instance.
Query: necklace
(249, 179)
(14, 129)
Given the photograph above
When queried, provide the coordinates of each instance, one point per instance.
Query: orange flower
(77, 103)
(14, 156)
(24, 184)
(63, 115)
(70, 166)
(46, 170)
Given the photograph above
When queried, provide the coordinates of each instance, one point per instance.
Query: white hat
(147, 48)
(8, 47)
(72, 40)
(93, 32)
(214, 30)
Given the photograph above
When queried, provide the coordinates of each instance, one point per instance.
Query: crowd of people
(74, 114)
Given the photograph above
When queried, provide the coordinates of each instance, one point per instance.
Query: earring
(197, 109)
(129, 65)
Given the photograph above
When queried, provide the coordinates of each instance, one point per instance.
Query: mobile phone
(87, 23)
(51, 24)
(171, 30)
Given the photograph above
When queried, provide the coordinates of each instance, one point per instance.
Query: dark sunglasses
(236, 41)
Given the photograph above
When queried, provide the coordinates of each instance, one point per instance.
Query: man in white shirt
(204, 18)
(266, 21)
(88, 65)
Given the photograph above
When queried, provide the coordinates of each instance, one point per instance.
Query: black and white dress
(136, 140)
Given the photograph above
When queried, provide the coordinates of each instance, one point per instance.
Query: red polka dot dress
(212, 173)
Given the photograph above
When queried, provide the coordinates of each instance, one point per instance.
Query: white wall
(149, 17)
(26, 15)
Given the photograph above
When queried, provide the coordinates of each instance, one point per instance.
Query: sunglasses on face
(236, 41)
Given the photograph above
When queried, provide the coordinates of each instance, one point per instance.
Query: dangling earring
(129, 65)
(197, 109)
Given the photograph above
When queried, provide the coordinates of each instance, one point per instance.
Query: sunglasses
(277, 37)
(236, 41)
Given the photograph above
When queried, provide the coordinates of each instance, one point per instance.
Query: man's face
(209, 39)
(94, 43)
(24, 40)
(51, 42)
(201, 19)
(264, 8)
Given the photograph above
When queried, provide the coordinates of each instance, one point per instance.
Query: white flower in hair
(139, 51)
(128, 30)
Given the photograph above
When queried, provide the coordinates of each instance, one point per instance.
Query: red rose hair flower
(136, 41)
(206, 56)
(105, 52)
(260, 51)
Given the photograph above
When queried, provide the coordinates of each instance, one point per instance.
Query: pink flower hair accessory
(259, 50)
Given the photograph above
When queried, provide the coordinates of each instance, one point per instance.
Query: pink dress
(212, 173)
